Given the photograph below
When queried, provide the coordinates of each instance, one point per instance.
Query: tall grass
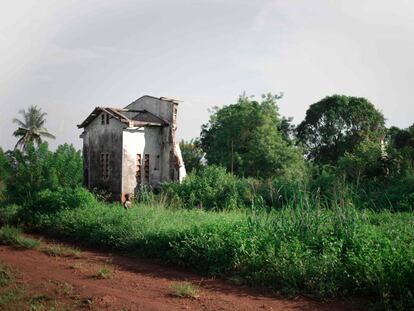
(299, 249)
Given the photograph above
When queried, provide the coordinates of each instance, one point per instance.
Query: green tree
(244, 138)
(33, 171)
(192, 154)
(287, 129)
(401, 149)
(5, 172)
(337, 124)
(67, 161)
(39, 169)
(31, 127)
(366, 161)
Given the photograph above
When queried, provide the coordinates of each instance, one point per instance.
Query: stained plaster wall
(164, 109)
(103, 138)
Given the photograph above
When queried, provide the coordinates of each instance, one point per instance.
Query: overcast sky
(68, 57)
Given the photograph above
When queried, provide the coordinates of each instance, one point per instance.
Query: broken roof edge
(111, 111)
(162, 98)
(116, 113)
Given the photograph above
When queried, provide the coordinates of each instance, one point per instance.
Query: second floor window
(104, 118)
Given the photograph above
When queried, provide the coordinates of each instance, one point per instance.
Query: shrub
(13, 237)
(51, 201)
(212, 188)
(9, 215)
(38, 169)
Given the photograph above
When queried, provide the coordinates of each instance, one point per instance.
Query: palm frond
(46, 134)
(32, 129)
(19, 122)
(20, 132)
(20, 143)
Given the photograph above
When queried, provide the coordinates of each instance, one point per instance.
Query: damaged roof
(135, 118)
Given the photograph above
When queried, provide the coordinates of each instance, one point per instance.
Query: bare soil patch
(136, 284)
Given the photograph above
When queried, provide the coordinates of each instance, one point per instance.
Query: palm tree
(31, 129)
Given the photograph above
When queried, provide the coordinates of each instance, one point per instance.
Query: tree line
(251, 139)
(342, 143)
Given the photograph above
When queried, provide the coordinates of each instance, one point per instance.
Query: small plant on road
(104, 272)
(56, 250)
(184, 290)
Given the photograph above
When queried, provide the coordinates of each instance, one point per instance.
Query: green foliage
(401, 150)
(211, 188)
(192, 155)
(67, 162)
(6, 275)
(13, 236)
(32, 173)
(51, 201)
(104, 272)
(244, 138)
(32, 128)
(297, 249)
(38, 169)
(5, 172)
(9, 214)
(365, 162)
(337, 124)
(58, 250)
(184, 290)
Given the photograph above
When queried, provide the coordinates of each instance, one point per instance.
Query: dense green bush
(210, 188)
(39, 169)
(48, 201)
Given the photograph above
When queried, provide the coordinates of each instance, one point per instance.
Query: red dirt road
(137, 284)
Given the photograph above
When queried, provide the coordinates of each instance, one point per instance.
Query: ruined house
(128, 149)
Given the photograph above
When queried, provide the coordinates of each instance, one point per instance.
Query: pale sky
(68, 57)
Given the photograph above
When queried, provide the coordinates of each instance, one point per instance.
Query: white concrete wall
(146, 140)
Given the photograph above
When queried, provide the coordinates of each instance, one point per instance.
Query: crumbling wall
(104, 138)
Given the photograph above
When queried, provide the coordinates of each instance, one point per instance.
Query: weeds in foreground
(13, 236)
(184, 290)
(76, 266)
(58, 250)
(62, 288)
(104, 272)
(13, 295)
(6, 275)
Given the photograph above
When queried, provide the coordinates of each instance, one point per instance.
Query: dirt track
(137, 284)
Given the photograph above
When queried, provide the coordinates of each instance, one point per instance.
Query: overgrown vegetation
(301, 248)
(13, 236)
(322, 209)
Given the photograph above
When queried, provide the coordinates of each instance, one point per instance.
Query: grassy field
(325, 253)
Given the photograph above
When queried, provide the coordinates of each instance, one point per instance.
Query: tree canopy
(337, 124)
(31, 127)
(244, 138)
(192, 154)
